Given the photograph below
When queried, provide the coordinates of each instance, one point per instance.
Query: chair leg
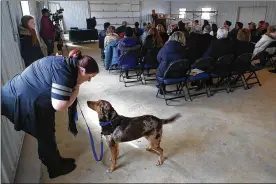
(188, 90)
(244, 83)
(257, 78)
(206, 90)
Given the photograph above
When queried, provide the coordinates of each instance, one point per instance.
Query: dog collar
(102, 124)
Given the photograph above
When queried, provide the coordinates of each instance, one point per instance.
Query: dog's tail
(171, 119)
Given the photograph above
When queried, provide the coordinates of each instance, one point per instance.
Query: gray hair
(179, 37)
(207, 29)
(124, 23)
(222, 33)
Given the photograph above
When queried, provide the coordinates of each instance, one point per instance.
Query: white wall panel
(77, 11)
(227, 10)
(11, 64)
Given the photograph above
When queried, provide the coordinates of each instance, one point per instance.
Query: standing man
(154, 18)
(47, 30)
(30, 99)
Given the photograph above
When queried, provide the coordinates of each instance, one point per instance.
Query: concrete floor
(225, 138)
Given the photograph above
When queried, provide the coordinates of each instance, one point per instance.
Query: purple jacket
(127, 44)
(170, 52)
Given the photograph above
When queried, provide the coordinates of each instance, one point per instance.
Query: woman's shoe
(61, 170)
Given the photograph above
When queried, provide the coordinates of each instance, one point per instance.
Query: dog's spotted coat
(124, 129)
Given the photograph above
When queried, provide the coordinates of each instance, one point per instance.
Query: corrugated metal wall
(11, 64)
(227, 10)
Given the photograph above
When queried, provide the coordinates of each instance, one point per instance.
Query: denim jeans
(50, 45)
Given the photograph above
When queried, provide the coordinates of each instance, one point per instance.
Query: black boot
(61, 170)
(67, 160)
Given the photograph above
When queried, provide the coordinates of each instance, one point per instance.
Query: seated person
(255, 37)
(173, 50)
(242, 44)
(162, 33)
(120, 30)
(137, 31)
(181, 27)
(220, 47)
(102, 35)
(111, 54)
(153, 40)
(234, 32)
(128, 43)
(110, 35)
(145, 33)
(263, 43)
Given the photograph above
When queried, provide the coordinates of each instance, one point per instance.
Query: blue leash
(91, 138)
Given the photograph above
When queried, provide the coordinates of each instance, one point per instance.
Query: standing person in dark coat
(47, 30)
(30, 99)
(30, 46)
(234, 32)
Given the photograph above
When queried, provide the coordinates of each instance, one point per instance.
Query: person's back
(241, 47)
(242, 44)
(128, 43)
(171, 51)
(52, 76)
(221, 47)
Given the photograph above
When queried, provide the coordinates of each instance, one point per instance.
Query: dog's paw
(110, 170)
(148, 148)
(159, 162)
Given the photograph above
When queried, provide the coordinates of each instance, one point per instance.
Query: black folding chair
(129, 62)
(271, 56)
(149, 62)
(222, 71)
(176, 74)
(239, 67)
(203, 64)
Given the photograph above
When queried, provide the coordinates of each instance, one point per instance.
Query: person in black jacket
(30, 46)
(220, 47)
(242, 44)
(234, 32)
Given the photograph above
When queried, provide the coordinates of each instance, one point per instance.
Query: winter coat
(149, 44)
(102, 36)
(241, 47)
(109, 38)
(127, 44)
(263, 43)
(219, 48)
(170, 52)
(111, 54)
(30, 52)
(47, 28)
(164, 36)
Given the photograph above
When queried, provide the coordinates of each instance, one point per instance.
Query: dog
(117, 128)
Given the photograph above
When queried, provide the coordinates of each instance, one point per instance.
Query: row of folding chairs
(225, 70)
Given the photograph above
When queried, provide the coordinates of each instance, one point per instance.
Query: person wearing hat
(47, 30)
(30, 99)
(227, 24)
